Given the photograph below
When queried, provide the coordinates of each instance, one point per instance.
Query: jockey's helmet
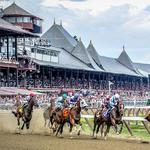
(32, 94)
(107, 97)
(64, 96)
(117, 96)
(76, 96)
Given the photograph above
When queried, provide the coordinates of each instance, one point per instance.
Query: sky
(110, 24)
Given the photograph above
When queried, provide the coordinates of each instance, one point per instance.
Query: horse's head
(33, 101)
(120, 107)
(83, 104)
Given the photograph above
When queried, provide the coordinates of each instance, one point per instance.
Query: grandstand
(59, 60)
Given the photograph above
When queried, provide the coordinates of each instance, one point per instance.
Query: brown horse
(72, 116)
(148, 117)
(114, 119)
(25, 112)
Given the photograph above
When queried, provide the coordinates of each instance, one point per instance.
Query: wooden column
(7, 77)
(16, 56)
(42, 77)
(7, 47)
(65, 78)
(17, 77)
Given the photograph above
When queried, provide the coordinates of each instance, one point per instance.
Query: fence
(125, 121)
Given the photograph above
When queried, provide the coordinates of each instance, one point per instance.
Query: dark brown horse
(72, 116)
(25, 112)
(114, 119)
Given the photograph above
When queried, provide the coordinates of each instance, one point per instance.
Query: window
(11, 19)
(27, 19)
(19, 19)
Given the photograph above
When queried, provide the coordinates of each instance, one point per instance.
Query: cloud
(110, 24)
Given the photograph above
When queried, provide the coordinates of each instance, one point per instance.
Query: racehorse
(47, 114)
(72, 116)
(25, 112)
(113, 119)
(148, 117)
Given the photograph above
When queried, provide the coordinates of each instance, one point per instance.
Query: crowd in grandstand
(92, 97)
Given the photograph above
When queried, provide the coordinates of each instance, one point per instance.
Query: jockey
(18, 103)
(113, 101)
(105, 102)
(61, 102)
(28, 98)
(74, 99)
(18, 100)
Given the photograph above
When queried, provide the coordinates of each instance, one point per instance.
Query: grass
(139, 132)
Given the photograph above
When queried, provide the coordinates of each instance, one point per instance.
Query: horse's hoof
(61, 136)
(105, 138)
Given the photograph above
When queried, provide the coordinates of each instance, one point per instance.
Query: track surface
(36, 139)
(41, 142)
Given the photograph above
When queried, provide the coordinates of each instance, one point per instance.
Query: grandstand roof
(78, 57)
(92, 51)
(81, 52)
(59, 37)
(143, 67)
(113, 66)
(125, 60)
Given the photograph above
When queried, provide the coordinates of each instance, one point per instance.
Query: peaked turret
(125, 60)
(59, 37)
(92, 51)
(81, 53)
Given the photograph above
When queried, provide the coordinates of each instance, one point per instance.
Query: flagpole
(109, 88)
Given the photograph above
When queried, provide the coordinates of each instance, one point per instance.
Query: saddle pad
(66, 112)
(106, 114)
(20, 110)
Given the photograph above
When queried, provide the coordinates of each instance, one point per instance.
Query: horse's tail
(14, 113)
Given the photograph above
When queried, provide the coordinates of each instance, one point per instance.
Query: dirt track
(36, 139)
(41, 142)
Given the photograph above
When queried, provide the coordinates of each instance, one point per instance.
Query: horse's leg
(107, 131)
(51, 121)
(114, 124)
(18, 120)
(120, 131)
(58, 129)
(97, 130)
(102, 129)
(28, 125)
(61, 129)
(80, 127)
(70, 131)
(45, 122)
(23, 125)
(95, 124)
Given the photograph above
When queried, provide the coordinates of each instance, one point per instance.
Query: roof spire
(54, 21)
(60, 22)
(80, 39)
(91, 42)
(123, 48)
